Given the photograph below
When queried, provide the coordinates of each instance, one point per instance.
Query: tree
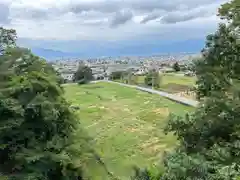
(105, 68)
(7, 39)
(153, 79)
(37, 129)
(116, 75)
(176, 67)
(209, 138)
(135, 79)
(83, 73)
(127, 76)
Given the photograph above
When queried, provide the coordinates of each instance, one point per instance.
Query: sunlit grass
(126, 124)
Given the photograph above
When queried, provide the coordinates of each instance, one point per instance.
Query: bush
(117, 75)
(153, 79)
(83, 72)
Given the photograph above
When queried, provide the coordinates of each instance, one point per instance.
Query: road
(178, 99)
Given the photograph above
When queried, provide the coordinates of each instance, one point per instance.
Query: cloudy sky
(70, 25)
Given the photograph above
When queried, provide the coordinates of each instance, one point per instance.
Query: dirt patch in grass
(189, 95)
(132, 129)
(148, 143)
(174, 88)
(162, 111)
(146, 102)
(155, 148)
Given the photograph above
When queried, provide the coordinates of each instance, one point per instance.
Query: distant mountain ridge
(116, 50)
(52, 54)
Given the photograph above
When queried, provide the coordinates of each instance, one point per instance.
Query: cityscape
(140, 65)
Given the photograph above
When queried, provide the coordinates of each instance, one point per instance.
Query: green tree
(129, 76)
(83, 73)
(153, 79)
(7, 39)
(116, 75)
(176, 67)
(37, 129)
(209, 138)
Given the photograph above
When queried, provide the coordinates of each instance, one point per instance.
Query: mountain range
(146, 49)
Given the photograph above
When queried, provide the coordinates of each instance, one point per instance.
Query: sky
(120, 26)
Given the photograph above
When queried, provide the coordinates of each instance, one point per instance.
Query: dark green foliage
(210, 137)
(146, 174)
(83, 72)
(116, 75)
(220, 63)
(231, 11)
(40, 138)
(82, 81)
(153, 79)
(141, 175)
(7, 39)
(128, 77)
(176, 67)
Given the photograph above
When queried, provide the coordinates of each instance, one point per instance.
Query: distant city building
(67, 77)
(104, 66)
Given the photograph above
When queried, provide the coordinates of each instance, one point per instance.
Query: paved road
(181, 100)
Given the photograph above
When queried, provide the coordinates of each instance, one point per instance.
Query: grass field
(126, 124)
(173, 83)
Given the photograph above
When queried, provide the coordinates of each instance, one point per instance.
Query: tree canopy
(37, 128)
(153, 79)
(83, 73)
(8, 38)
(209, 138)
(176, 67)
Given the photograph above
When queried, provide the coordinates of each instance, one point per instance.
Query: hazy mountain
(50, 54)
(120, 49)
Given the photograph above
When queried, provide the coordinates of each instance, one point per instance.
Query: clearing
(126, 124)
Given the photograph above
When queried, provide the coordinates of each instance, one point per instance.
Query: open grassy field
(126, 124)
(173, 83)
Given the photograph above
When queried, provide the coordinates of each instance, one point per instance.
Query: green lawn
(126, 124)
(172, 83)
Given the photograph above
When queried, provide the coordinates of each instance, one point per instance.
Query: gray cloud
(110, 6)
(150, 17)
(114, 10)
(151, 5)
(181, 15)
(100, 6)
(121, 17)
(175, 17)
(4, 13)
(34, 13)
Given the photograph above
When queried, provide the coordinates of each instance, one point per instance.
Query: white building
(67, 77)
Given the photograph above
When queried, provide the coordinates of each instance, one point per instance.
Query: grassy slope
(127, 124)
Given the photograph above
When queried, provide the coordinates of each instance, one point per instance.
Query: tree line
(40, 137)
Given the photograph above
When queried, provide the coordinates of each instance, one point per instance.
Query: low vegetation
(176, 67)
(126, 124)
(153, 79)
(83, 74)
